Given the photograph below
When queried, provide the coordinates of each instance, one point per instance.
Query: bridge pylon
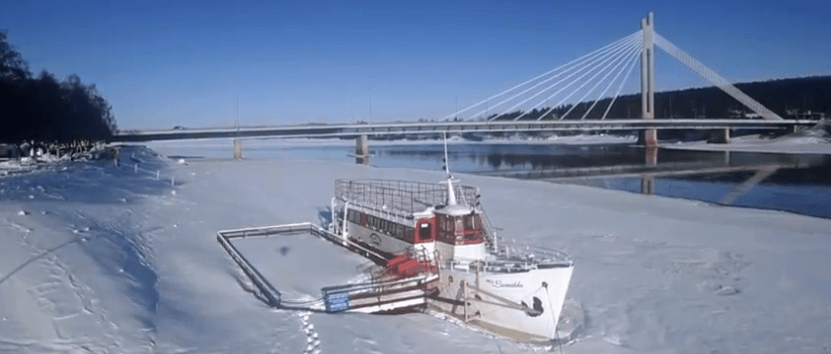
(648, 137)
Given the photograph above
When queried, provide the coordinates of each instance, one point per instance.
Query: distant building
(806, 115)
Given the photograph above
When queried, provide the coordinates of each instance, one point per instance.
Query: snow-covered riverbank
(816, 140)
(99, 258)
(788, 145)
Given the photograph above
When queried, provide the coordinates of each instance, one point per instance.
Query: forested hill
(787, 97)
(42, 109)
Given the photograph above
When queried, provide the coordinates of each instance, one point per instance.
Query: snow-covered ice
(815, 140)
(110, 260)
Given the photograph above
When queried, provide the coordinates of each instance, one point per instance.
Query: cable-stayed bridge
(545, 103)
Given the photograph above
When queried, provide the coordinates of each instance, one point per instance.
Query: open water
(788, 182)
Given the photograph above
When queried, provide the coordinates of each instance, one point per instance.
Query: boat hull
(524, 306)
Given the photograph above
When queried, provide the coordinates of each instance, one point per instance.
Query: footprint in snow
(727, 291)
(312, 340)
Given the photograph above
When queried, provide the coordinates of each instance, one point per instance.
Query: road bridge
(530, 106)
(430, 128)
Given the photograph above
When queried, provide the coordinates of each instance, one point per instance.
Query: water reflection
(798, 183)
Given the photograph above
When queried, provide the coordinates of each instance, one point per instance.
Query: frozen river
(800, 183)
(104, 259)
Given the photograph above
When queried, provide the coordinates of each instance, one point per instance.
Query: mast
(451, 195)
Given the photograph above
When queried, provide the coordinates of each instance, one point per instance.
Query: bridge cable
(614, 79)
(619, 59)
(714, 78)
(582, 67)
(579, 69)
(623, 59)
(544, 74)
(628, 72)
(609, 57)
(567, 67)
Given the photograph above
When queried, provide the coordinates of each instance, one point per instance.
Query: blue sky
(167, 63)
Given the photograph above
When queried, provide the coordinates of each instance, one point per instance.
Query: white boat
(505, 288)
(433, 247)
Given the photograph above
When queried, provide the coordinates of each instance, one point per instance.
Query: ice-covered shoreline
(112, 260)
(815, 140)
(171, 145)
(788, 145)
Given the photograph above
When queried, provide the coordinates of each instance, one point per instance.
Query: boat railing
(400, 196)
(514, 257)
(374, 286)
(490, 231)
(511, 249)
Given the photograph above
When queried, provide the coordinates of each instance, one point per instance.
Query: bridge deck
(422, 128)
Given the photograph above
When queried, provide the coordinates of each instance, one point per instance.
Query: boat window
(472, 222)
(408, 234)
(424, 232)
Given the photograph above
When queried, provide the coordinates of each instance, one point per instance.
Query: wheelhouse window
(472, 222)
(459, 229)
(424, 232)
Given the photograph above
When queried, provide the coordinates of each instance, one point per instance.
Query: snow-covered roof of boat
(454, 210)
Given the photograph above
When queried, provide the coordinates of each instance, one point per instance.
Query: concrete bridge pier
(651, 156)
(648, 179)
(648, 184)
(648, 138)
(797, 128)
(361, 150)
(237, 149)
(720, 136)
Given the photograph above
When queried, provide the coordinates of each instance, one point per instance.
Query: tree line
(43, 110)
(806, 97)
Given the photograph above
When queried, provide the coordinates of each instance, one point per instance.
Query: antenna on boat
(446, 166)
(451, 194)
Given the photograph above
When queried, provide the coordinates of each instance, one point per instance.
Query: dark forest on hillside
(44, 110)
(804, 98)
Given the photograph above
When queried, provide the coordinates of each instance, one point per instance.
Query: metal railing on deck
(515, 257)
(400, 196)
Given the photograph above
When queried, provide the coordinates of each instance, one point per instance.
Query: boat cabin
(459, 233)
(455, 231)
